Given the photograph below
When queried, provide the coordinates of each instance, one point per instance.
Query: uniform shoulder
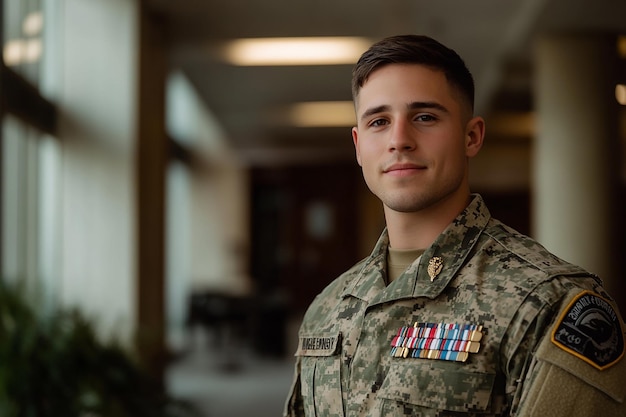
(532, 269)
(339, 284)
(530, 252)
(583, 351)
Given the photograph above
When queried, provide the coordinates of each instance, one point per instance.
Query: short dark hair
(414, 49)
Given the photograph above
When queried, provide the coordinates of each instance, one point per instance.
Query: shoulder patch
(590, 329)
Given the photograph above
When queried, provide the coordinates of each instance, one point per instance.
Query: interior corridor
(227, 379)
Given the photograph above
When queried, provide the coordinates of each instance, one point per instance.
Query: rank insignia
(435, 264)
(590, 329)
(443, 341)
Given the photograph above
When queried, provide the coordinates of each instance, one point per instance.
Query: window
(23, 38)
(29, 160)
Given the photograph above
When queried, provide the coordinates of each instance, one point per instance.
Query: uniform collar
(452, 247)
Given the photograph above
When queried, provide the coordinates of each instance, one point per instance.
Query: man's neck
(418, 230)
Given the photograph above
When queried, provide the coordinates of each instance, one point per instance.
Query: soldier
(453, 313)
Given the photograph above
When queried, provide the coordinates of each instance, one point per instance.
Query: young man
(453, 313)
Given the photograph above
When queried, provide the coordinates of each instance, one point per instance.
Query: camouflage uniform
(491, 276)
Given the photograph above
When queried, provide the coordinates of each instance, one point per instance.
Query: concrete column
(575, 152)
(151, 159)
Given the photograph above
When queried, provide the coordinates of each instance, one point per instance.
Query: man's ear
(474, 136)
(355, 140)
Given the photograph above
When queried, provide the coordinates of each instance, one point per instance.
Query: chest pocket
(320, 374)
(435, 385)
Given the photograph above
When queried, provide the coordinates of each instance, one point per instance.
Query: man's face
(413, 137)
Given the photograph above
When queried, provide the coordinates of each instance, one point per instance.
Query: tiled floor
(233, 383)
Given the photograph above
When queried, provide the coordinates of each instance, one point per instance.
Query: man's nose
(401, 137)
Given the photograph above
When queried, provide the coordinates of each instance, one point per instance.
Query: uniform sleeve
(293, 405)
(578, 368)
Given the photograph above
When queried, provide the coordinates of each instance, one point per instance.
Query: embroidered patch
(318, 345)
(590, 329)
(443, 341)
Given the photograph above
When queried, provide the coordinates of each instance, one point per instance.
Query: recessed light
(294, 51)
(322, 114)
(620, 94)
(621, 46)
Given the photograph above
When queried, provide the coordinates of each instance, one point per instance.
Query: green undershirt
(398, 260)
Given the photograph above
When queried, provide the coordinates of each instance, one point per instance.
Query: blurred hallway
(138, 167)
(230, 381)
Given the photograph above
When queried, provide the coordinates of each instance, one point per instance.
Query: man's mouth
(403, 168)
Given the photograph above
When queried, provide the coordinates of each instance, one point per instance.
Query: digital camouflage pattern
(490, 276)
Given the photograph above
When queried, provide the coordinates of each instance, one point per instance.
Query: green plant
(56, 366)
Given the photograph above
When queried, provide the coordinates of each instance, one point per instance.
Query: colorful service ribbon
(443, 341)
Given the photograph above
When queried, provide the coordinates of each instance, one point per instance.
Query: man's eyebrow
(427, 105)
(415, 105)
(374, 110)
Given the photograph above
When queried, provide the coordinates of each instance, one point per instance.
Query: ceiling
(494, 37)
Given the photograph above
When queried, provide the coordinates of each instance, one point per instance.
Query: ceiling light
(323, 114)
(621, 46)
(12, 52)
(33, 49)
(22, 51)
(33, 23)
(620, 94)
(295, 51)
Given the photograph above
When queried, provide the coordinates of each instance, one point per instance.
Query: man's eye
(378, 122)
(425, 118)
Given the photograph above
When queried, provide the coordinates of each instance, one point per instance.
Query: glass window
(29, 159)
(18, 180)
(30, 207)
(23, 38)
